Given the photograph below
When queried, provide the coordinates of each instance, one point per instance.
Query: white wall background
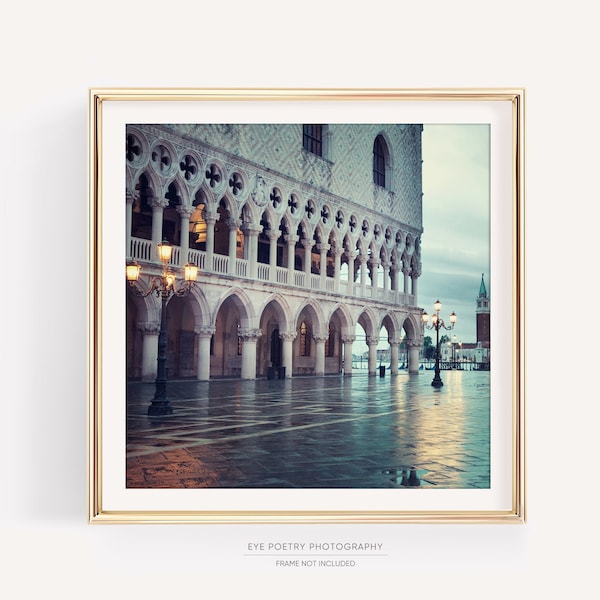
(52, 52)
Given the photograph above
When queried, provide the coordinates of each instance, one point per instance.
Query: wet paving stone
(329, 432)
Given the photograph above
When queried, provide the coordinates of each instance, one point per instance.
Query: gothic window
(312, 139)
(198, 225)
(141, 226)
(379, 161)
(171, 218)
(304, 339)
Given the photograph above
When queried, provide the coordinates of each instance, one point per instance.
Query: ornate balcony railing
(142, 250)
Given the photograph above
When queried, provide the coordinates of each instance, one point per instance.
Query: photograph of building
(300, 234)
(273, 281)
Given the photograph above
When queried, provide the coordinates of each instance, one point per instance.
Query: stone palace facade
(303, 235)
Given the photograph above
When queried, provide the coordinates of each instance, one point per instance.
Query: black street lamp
(164, 287)
(437, 323)
(454, 366)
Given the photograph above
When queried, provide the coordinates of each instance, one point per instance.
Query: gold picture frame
(110, 110)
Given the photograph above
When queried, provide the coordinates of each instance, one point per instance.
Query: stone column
(158, 207)
(395, 271)
(394, 347)
(348, 340)
(233, 225)
(351, 254)
(273, 235)
(413, 355)
(149, 332)
(291, 240)
(251, 232)
(337, 255)
(210, 218)
(386, 275)
(374, 264)
(406, 273)
(363, 274)
(250, 337)
(129, 199)
(323, 248)
(185, 212)
(287, 352)
(372, 344)
(204, 334)
(308, 244)
(319, 354)
(414, 276)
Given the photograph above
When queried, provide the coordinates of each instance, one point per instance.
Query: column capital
(273, 234)
(185, 210)
(291, 238)
(372, 340)
(251, 229)
(233, 224)
(320, 339)
(249, 334)
(375, 261)
(308, 243)
(149, 327)
(204, 331)
(158, 202)
(290, 336)
(348, 339)
(210, 217)
(130, 197)
(413, 343)
(323, 247)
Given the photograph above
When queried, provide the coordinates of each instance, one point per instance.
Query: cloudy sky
(455, 242)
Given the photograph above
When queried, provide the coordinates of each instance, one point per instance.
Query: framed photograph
(306, 306)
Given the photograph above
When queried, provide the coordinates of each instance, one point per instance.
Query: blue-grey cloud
(456, 220)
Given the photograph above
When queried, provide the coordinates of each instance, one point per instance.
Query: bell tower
(483, 315)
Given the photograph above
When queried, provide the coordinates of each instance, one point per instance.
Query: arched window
(312, 139)
(141, 226)
(379, 161)
(198, 225)
(171, 218)
(304, 339)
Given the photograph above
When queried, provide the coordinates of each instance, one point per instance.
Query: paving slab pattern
(314, 432)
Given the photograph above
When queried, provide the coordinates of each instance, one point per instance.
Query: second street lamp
(436, 323)
(164, 286)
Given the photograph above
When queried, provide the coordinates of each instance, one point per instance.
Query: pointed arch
(382, 161)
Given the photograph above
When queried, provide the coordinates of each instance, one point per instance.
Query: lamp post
(164, 287)
(437, 323)
(454, 352)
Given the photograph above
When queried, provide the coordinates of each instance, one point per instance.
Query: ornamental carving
(149, 328)
(204, 330)
(249, 334)
(291, 336)
(260, 194)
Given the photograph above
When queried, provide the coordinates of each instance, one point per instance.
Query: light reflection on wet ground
(329, 432)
